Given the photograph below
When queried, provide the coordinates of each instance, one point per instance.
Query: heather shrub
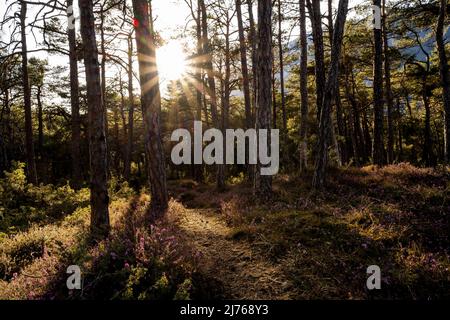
(137, 261)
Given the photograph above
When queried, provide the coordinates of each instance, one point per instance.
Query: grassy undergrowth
(397, 218)
(136, 261)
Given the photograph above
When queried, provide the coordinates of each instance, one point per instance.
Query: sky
(172, 17)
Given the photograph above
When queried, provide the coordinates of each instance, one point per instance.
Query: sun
(171, 61)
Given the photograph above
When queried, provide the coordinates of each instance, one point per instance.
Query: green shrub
(22, 204)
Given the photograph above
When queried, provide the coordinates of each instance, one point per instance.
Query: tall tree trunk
(245, 82)
(151, 109)
(319, 60)
(97, 140)
(358, 141)
(399, 128)
(357, 134)
(427, 142)
(243, 52)
(445, 77)
(7, 131)
(103, 77)
(265, 61)
(198, 168)
(225, 100)
(378, 140)
(208, 65)
(123, 141)
(274, 100)
(339, 145)
(367, 137)
(220, 178)
(388, 93)
(31, 162)
(40, 121)
(129, 150)
(280, 54)
(116, 137)
(74, 104)
(253, 41)
(303, 88)
(330, 91)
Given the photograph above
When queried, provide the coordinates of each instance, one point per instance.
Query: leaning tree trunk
(303, 88)
(445, 78)
(31, 162)
(74, 104)
(378, 142)
(151, 109)
(329, 93)
(264, 68)
(97, 138)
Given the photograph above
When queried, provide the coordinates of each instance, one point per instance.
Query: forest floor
(244, 273)
(304, 244)
(299, 244)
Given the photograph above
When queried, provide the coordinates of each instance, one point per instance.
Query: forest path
(244, 273)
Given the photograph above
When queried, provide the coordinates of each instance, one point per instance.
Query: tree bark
(264, 68)
(245, 81)
(243, 53)
(388, 93)
(123, 145)
(129, 150)
(339, 145)
(74, 105)
(427, 142)
(40, 121)
(378, 135)
(280, 54)
(103, 77)
(198, 168)
(225, 100)
(274, 100)
(97, 139)
(330, 91)
(445, 77)
(253, 41)
(31, 162)
(208, 65)
(303, 88)
(151, 109)
(220, 178)
(319, 60)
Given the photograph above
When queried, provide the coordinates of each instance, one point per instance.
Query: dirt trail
(244, 273)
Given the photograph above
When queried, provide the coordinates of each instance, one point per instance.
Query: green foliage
(119, 189)
(22, 204)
